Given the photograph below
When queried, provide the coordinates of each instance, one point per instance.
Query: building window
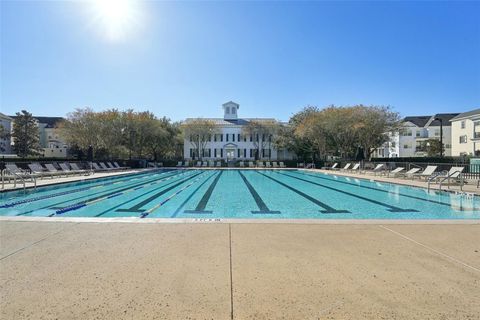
(406, 146)
(244, 153)
(251, 139)
(417, 133)
(238, 153)
(221, 153)
(238, 136)
(447, 146)
(215, 152)
(244, 138)
(250, 153)
(463, 139)
(436, 132)
(462, 124)
(228, 110)
(221, 138)
(233, 110)
(215, 137)
(226, 137)
(233, 137)
(406, 132)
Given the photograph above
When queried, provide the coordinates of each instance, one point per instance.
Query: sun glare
(116, 18)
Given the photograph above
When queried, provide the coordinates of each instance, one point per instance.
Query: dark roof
(445, 117)
(419, 121)
(466, 114)
(49, 121)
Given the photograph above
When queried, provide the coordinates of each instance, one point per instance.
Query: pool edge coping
(240, 221)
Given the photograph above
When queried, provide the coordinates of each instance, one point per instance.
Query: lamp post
(441, 136)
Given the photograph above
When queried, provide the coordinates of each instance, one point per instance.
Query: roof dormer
(230, 110)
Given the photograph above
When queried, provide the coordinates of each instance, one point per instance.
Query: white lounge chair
(427, 173)
(275, 164)
(38, 170)
(204, 163)
(219, 164)
(199, 164)
(51, 168)
(179, 164)
(120, 167)
(395, 172)
(75, 167)
(65, 168)
(96, 167)
(332, 167)
(451, 175)
(355, 168)
(260, 164)
(250, 164)
(211, 164)
(409, 173)
(268, 164)
(241, 164)
(379, 167)
(282, 165)
(347, 166)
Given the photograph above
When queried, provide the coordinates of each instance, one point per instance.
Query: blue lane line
(52, 206)
(100, 198)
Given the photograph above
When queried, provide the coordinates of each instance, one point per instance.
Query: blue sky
(184, 59)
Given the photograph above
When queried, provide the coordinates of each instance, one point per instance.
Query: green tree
(433, 147)
(26, 136)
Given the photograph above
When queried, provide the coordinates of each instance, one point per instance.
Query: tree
(81, 129)
(433, 147)
(262, 133)
(25, 135)
(199, 131)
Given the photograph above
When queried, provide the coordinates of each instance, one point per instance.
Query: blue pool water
(284, 194)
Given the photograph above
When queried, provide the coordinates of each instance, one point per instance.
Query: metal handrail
(448, 178)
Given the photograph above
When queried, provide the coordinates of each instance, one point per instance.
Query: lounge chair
(110, 165)
(179, 164)
(241, 164)
(275, 164)
(51, 168)
(300, 164)
(104, 166)
(282, 165)
(38, 170)
(260, 164)
(204, 163)
(427, 173)
(96, 167)
(332, 167)
(211, 164)
(347, 166)
(375, 170)
(355, 168)
(75, 167)
(115, 163)
(219, 164)
(409, 173)
(16, 171)
(395, 172)
(454, 174)
(199, 164)
(250, 164)
(268, 164)
(65, 168)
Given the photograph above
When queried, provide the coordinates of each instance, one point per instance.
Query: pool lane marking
(385, 191)
(93, 200)
(390, 207)
(190, 196)
(49, 196)
(431, 249)
(262, 207)
(147, 212)
(117, 189)
(133, 199)
(137, 207)
(206, 197)
(326, 207)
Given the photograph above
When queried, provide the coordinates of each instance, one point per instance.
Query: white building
(231, 144)
(413, 137)
(466, 134)
(50, 141)
(5, 143)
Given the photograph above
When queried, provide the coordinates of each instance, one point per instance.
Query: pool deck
(85, 270)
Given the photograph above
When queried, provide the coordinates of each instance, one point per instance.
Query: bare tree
(199, 131)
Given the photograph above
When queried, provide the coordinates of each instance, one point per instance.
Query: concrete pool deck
(73, 270)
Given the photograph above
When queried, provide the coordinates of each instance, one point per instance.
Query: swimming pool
(242, 194)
